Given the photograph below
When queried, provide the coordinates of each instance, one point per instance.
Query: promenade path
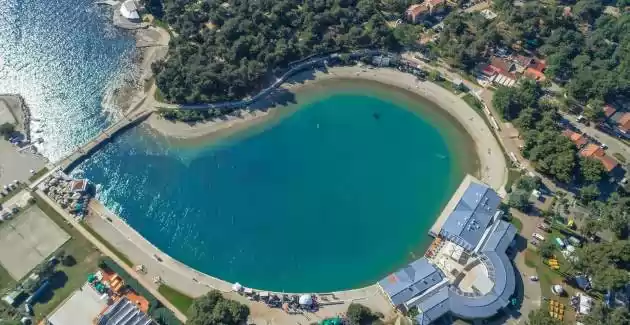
(194, 283)
(103, 137)
(97, 243)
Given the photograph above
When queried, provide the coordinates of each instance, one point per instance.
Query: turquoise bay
(334, 193)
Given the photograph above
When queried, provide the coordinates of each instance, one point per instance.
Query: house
(609, 111)
(78, 185)
(595, 152)
(418, 12)
(503, 66)
(578, 139)
(499, 71)
(624, 124)
(530, 67)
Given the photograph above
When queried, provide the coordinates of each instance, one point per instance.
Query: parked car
(534, 242)
(538, 236)
(544, 227)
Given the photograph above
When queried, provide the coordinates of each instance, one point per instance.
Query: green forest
(587, 50)
(227, 50)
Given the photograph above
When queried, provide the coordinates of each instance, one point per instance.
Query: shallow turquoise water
(332, 196)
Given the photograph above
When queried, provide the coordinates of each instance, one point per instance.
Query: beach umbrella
(306, 300)
(237, 287)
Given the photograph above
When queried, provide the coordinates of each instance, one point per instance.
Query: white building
(129, 10)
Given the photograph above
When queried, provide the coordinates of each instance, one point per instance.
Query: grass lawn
(66, 278)
(513, 176)
(38, 174)
(517, 223)
(6, 281)
(473, 102)
(620, 157)
(178, 299)
(111, 247)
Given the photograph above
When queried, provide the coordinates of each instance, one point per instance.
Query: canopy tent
(306, 300)
(237, 287)
(332, 321)
(557, 289)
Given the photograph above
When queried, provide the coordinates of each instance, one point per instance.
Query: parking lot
(27, 240)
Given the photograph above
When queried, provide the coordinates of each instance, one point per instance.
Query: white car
(603, 146)
(538, 236)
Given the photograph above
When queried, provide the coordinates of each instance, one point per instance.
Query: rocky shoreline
(24, 112)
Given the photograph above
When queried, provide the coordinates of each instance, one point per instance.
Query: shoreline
(492, 165)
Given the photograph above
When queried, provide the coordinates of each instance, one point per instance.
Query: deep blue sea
(64, 58)
(332, 196)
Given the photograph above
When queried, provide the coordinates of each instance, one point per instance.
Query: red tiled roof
(592, 150)
(595, 152)
(416, 9)
(608, 162)
(534, 74)
(577, 139)
(434, 2)
(523, 60)
(539, 65)
(624, 122)
(501, 64)
(609, 111)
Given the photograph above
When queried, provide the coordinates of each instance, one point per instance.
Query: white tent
(586, 304)
(129, 10)
(306, 300)
(237, 287)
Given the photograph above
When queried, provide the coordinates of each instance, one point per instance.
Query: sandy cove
(492, 161)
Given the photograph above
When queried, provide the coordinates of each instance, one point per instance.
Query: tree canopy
(214, 309)
(226, 50)
(541, 317)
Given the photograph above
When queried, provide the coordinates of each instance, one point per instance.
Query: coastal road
(105, 250)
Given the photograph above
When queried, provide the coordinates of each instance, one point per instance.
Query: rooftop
(410, 281)
(472, 215)
(624, 122)
(609, 111)
(80, 309)
(476, 284)
(595, 152)
(578, 139)
(124, 312)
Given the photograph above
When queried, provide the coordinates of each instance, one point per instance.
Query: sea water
(333, 195)
(64, 58)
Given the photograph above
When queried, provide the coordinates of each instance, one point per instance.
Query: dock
(81, 153)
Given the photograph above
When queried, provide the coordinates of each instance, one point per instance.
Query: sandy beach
(492, 162)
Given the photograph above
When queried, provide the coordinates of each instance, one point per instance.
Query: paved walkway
(194, 283)
(142, 280)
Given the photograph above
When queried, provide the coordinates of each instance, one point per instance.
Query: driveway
(531, 290)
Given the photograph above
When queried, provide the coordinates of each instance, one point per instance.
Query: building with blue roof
(476, 209)
(472, 222)
(410, 281)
